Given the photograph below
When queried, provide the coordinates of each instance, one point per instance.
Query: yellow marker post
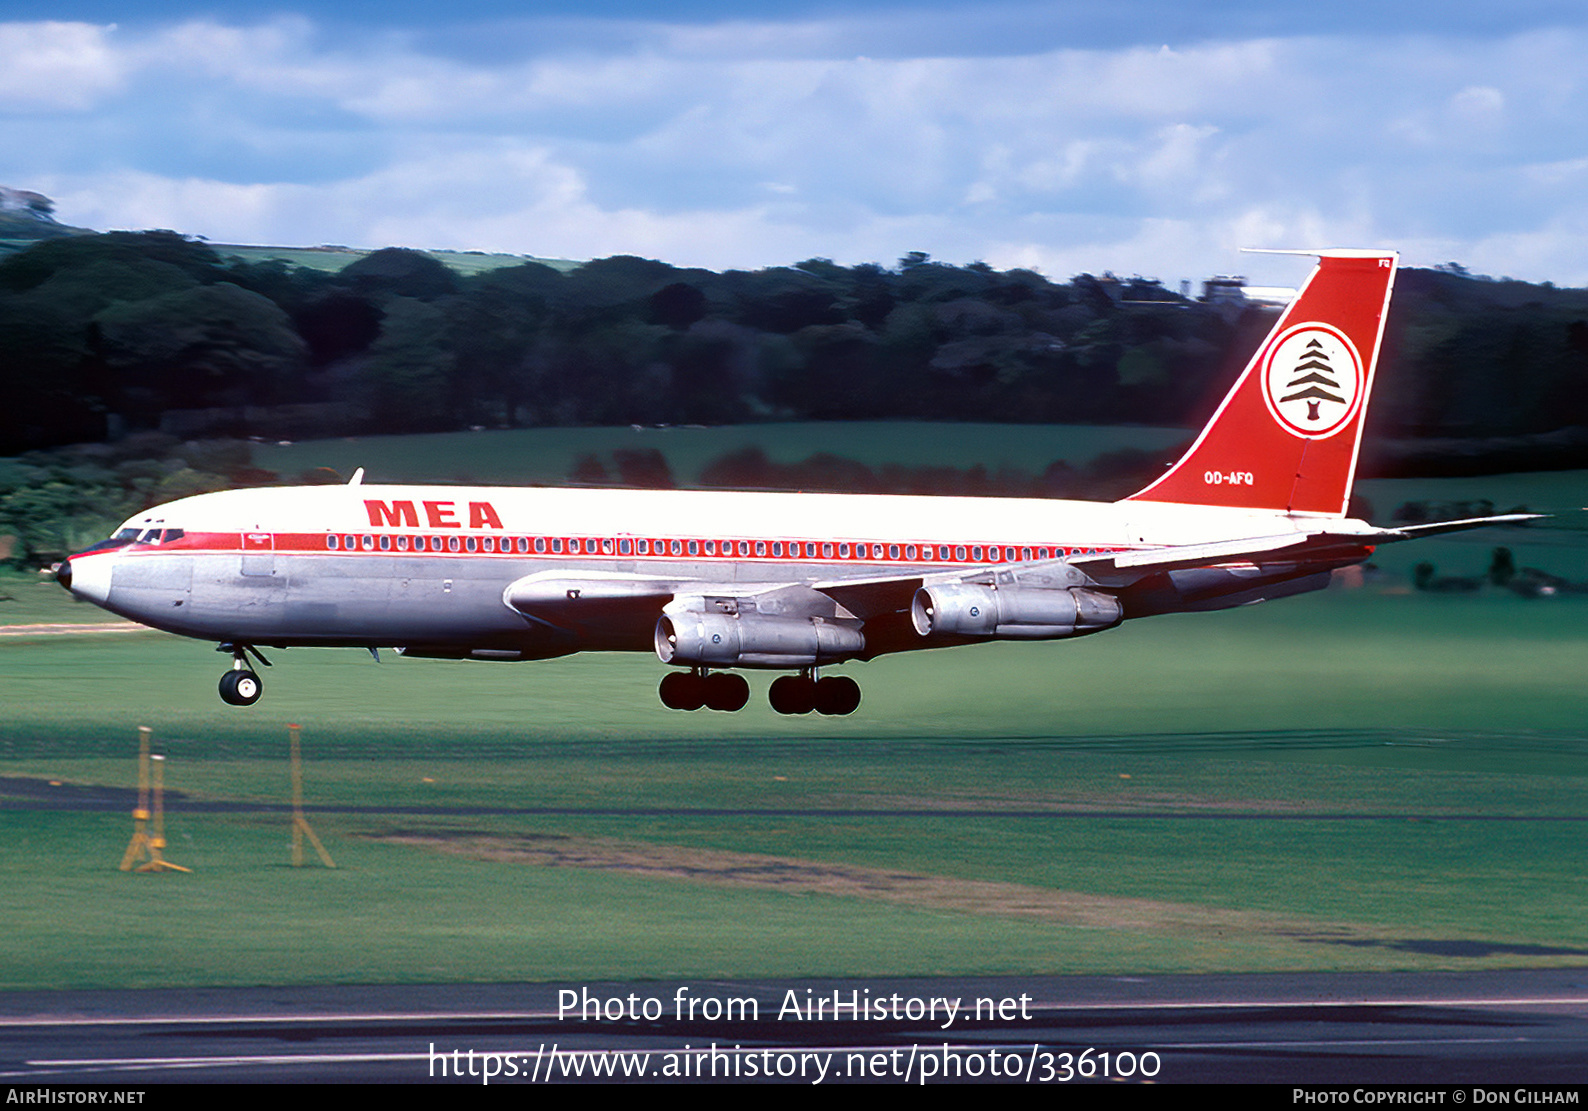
(157, 861)
(143, 844)
(300, 825)
(138, 848)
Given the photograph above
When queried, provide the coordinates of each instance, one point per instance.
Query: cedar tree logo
(1312, 380)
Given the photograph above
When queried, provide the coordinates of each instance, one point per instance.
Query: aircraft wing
(867, 597)
(581, 599)
(877, 594)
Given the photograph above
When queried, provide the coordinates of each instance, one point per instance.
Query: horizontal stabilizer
(1434, 528)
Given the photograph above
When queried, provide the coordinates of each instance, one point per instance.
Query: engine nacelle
(726, 640)
(1014, 613)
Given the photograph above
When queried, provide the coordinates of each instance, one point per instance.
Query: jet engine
(1012, 613)
(727, 640)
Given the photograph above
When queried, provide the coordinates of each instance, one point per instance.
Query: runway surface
(1510, 1027)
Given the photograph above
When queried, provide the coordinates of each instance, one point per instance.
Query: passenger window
(330, 543)
(625, 547)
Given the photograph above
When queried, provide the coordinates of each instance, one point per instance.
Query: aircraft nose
(87, 577)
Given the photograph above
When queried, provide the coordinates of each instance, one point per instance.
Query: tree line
(104, 335)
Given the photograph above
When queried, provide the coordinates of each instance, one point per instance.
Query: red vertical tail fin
(1287, 435)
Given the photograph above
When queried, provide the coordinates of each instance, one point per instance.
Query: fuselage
(413, 566)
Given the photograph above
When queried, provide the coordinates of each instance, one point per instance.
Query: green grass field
(1347, 780)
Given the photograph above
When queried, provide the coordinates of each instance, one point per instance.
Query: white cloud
(57, 66)
(756, 143)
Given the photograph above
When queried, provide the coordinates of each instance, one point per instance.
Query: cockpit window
(126, 535)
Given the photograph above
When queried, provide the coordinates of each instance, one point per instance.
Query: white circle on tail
(1312, 380)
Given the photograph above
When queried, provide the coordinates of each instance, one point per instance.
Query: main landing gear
(690, 690)
(802, 693)
(240, 686)
(790, 694)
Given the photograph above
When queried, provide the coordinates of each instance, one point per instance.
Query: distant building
(1224, 289)
(1230, 293)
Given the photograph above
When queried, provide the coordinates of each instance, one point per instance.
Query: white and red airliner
(718, 581)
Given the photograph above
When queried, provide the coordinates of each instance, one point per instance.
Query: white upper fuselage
(1064, 527)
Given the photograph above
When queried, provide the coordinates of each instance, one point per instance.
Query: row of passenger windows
(759, 549)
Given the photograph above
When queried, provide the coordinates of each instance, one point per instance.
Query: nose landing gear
(241, 686)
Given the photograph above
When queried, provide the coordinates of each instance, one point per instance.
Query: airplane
(717, 582)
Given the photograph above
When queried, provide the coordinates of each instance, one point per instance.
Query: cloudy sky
(1139, 136)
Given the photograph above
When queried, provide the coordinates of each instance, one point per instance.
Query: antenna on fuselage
(357, 479)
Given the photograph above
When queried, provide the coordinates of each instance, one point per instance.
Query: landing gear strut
(802, 693)
(240, 686)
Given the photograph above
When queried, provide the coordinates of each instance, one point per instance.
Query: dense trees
(105, 335)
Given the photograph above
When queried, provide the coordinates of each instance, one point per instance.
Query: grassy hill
(331, 258)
